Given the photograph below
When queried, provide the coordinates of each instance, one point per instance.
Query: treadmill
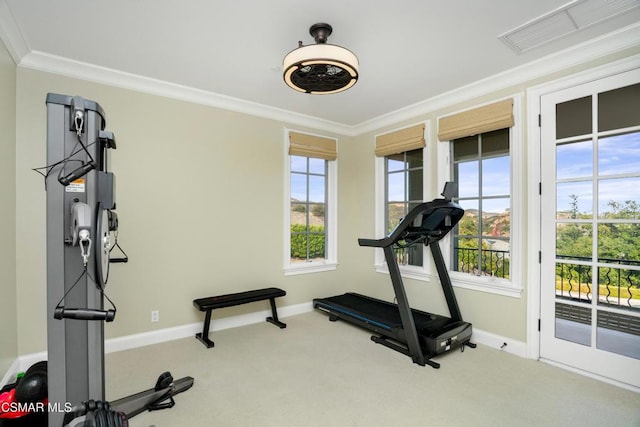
(417, 334)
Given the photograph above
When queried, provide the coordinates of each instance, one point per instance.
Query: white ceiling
(409, 50)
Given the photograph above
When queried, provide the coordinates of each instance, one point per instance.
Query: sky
(616, 163)
(299, 180)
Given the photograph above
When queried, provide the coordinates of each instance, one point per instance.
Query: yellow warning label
(77, 186)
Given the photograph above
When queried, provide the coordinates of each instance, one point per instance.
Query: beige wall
(8, 328)
(200, 196)
(200, 201)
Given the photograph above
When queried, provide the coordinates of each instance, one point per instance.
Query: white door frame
(534, 95)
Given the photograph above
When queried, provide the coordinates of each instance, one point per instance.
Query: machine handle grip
(84, 314)
(77, 173)
(118, 260)
(376, 243)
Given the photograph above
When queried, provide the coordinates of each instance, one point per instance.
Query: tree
(618, 243)
(574, 206)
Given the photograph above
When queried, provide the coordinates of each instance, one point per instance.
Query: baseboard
(127, 342)
(113, 345)
(499, 342)
(591, 375)
(10, 376)
(185, 331)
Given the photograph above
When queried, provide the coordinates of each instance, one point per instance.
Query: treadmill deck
(436, 333)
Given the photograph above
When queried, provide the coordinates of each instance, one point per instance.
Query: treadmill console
(428, 222)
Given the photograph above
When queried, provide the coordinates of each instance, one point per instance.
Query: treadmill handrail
(406, 228)
(376, 243)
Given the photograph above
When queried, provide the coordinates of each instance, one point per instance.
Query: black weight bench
(229, 300)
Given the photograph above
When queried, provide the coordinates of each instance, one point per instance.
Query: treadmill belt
(368, 309)
(381, 313)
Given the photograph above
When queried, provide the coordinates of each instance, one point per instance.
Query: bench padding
(229, 300)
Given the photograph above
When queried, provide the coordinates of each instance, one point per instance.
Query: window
(481, 154)
(308, 206)
(404, 191)
(310, 225)
(400, 186)
(481, 240)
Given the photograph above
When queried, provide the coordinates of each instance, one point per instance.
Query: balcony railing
(485, 263)
(617, 286)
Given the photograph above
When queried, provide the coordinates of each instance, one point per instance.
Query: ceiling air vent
(565, 20)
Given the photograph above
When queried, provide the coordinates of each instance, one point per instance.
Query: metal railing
(617, 286)
(486, 262)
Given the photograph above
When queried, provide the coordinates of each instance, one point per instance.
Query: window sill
(486, 284)
(309, 267)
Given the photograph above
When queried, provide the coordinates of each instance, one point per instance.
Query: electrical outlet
(155, 315)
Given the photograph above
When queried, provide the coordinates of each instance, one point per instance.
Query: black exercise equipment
(230, 300)
(417, 334)
(81, 233)
(32, 387)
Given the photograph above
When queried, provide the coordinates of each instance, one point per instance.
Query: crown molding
(610, 43)
(11, 35)
(41, 61)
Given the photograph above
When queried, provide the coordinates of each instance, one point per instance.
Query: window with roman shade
(401, 158)
(311, 173)
(479, 120)
(400, 141)
(482, 154)
(318, 147)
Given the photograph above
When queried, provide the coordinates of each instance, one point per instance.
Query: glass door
(590, 264)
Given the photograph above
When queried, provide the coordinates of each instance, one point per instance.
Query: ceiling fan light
(321, 68)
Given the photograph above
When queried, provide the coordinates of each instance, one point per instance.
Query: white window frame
(407, 271)
(331, 210)
(508, 287)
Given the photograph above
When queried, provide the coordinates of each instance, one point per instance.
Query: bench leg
(203, 336)
(274, 315)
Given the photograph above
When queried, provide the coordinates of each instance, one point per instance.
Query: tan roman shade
(302, 144)
(479, 120)
(402, 140)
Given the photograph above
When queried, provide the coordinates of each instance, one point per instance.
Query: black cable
(49, 168)
(102, 292)
(80, 171)
(126, 257)
(117, 245)
(63, 161)
(71, 288)
(85, 149)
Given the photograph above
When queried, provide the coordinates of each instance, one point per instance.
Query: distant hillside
(493, 224)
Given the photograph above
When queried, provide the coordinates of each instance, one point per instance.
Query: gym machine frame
(80, 225)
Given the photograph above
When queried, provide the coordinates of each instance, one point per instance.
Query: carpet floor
(320, 373)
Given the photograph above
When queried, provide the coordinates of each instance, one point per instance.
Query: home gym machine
(417, 334)
(81, 233)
